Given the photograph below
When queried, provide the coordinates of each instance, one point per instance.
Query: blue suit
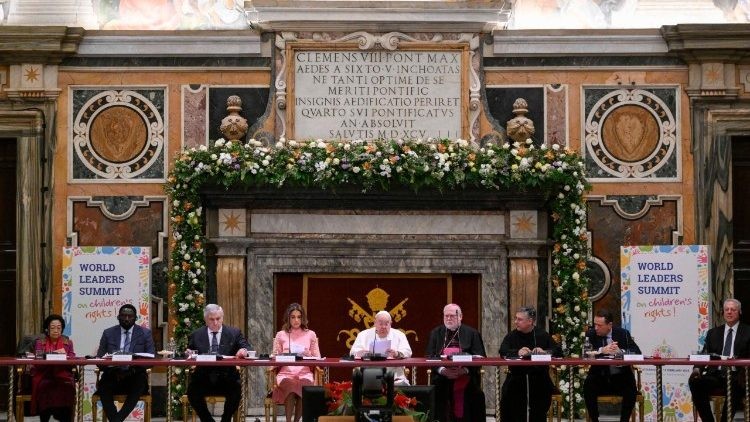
(131, 380)
(224, 381)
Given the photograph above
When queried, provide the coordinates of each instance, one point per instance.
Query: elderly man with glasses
(457, 387)
(527, 391)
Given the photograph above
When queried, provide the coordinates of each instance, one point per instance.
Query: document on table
(381, 347)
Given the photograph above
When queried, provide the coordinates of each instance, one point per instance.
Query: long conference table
(497, 362)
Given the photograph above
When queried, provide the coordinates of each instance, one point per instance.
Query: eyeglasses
(450, 316)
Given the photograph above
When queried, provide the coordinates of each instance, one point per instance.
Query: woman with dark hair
(53, 387)
(295, 338)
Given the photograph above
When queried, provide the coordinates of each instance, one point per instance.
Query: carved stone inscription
(377, 94)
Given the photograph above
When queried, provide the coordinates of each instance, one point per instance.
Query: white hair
(383, 313)
(212, 308)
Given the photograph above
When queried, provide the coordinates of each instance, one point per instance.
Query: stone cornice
(43, 44)
(709, 42)
(537, 43)
(233, 43)
(382, 16)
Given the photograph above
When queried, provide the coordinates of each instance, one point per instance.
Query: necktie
(727, 344)
(214, 342)
(126, 345)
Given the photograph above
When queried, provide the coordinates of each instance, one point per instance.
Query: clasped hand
(611, 349)
(525, 351)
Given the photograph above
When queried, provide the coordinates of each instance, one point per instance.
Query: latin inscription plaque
(377, 94)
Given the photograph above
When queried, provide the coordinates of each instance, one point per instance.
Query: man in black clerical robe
(527, 391)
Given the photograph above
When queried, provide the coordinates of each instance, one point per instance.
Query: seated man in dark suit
(610, 380)
(730, 339)
(216, 338)
(458, 390)
(129, 380)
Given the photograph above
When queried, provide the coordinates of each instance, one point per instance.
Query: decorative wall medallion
(523, 224)
(232, 222)
(631, 134)
(118, 135)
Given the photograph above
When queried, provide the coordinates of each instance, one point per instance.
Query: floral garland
(442, 165)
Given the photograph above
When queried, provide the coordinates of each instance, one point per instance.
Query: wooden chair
(556, 407)
(717, 400)
(120, 398)
(189, 414)
(23, 390)
(270, 409)
(639, 400)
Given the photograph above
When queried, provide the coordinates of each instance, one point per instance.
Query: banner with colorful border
(664, 287)
(96, 282)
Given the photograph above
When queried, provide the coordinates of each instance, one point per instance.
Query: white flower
(576, 276)
(347, 147)
(355, 169)
(203, 148)
(555, 147)
(219, 143)
(279, 144)
(186, 257)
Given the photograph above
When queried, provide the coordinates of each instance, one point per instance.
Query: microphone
(371, 355)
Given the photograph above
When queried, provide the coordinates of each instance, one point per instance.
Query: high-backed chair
(270, 409)
(120, 398)
(639, 400)
(188, 413)
(23, 391)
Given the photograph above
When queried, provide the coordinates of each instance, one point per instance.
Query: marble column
(231, 276)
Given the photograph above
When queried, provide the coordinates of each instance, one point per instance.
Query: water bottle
(588, 349)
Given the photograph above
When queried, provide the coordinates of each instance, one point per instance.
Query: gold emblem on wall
(377, 300)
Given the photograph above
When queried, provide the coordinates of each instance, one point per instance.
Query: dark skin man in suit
(705, 381)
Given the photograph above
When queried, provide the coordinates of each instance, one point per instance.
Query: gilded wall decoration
(118, 135)
(377, 299)
(631, 134)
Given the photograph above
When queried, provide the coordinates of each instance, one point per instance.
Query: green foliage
(442, 165)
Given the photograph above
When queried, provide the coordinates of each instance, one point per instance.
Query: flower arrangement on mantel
(442, 165)
(339, 402)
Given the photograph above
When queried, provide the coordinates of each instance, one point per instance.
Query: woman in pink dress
(296, 338)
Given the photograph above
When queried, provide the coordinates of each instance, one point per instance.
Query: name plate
(122, 358)
(205, 358)
(285, 358)
(462, 358)
(699, 358)
(632, 357)
(55, 356)
(541, 358)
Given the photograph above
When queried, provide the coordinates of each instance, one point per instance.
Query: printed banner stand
(664, 287)
(96, 282)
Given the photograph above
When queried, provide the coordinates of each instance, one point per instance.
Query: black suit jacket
(231, 341)
(715, 342)
(624, 340)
